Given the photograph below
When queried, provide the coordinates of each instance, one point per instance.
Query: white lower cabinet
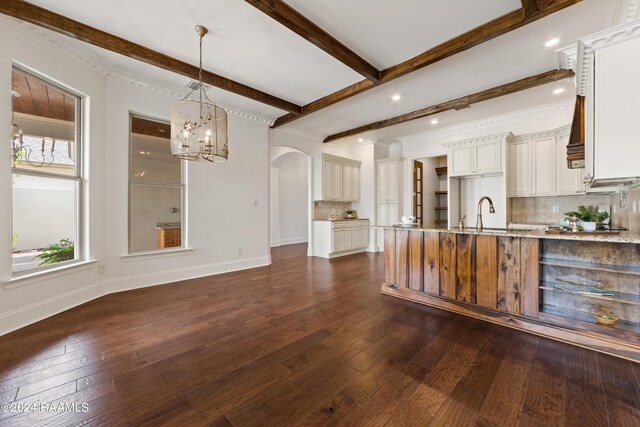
(337, 238)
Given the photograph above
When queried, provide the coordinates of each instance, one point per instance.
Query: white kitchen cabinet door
(544, 166)
(360, 237)
(383, 182)
(395, 175)
(461, 161)
(336, 181)
(347, 183)
(617, 110)
(341, 240)
(520, 171)
(327, 179)
(568, 181)
(355, 170)
(487, 157)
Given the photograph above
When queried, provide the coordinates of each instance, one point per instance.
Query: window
(156, 188)
(46, 174)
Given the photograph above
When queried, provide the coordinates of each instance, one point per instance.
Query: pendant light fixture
(198, 126)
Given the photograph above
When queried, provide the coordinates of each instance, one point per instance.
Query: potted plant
(57, 252)
(351, 214)
(589, 217)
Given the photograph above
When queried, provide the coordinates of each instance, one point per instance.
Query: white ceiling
(246, 45)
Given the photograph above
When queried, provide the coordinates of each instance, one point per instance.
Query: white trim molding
(588, 45)
(339, 159)
(488, 122)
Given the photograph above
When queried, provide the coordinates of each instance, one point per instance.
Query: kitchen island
(547, 284)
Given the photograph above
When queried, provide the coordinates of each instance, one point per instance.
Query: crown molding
(562, 130)
(588, 45)
(505, 136)
(343, 160)
(488, 122)
(389, 161)
(65, 47)
(296, 132)
(567, 57)
(77, 54)
(624, 11)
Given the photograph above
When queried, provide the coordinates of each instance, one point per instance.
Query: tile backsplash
(322, 210)
(539, 210)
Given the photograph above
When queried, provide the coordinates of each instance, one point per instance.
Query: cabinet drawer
(171, 232)
(341, 224)
(360, 223)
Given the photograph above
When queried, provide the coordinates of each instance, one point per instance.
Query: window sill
(137, 256)
(38, 276)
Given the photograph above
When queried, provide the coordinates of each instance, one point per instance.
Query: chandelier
(199, 127)
(21, 152)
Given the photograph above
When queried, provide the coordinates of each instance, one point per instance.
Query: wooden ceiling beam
(293, 20)
(79, 31)
(531, 11)
(485, 95)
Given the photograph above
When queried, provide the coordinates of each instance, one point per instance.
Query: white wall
(227, 203)
(292, 200)
(274, 206)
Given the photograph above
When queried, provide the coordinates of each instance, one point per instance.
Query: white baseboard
(145, 280)
(40, 310)
(32, 313)
(290, 241)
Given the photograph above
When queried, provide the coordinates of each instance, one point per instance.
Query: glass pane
(155, 217)
(151, 159)
(45, 221)
(43, 126)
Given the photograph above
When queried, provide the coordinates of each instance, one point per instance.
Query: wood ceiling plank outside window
(38, 99)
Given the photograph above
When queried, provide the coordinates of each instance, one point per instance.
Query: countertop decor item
(605, 319)
(351, 214)
(589, 217)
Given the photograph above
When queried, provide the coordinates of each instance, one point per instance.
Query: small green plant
(57, 252)
(588, 214)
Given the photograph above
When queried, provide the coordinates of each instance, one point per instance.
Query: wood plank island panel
(465, 268)
(390, 258)
(506, 279)
(431, 262)
(487, 271)
(509, 293)
(402, 258)
(448, 265)
(416, 264)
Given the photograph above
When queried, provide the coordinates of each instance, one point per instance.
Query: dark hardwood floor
(305, 341)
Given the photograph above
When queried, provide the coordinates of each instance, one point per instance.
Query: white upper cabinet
(389, 181)
(521, 169)
(544, 166)
(336, 179)
(488, 157)
(569, 181)
(538, 166)
(608, 70)
(477, 156)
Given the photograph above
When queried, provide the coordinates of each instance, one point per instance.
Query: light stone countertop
(614, 237)
(343, 219)
(168, 225)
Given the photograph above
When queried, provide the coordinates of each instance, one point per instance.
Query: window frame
(130, 185)
(80, 244)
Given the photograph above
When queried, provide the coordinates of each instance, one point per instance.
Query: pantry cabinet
(336, 179)
(389, 190)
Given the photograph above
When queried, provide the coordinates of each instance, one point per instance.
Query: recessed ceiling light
(558, 91)
(434, 121)
(552, 42)
(396, 97)
(360, 140)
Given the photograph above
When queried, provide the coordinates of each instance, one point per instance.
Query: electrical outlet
(239, 251)
(556, 208)
(100, 268)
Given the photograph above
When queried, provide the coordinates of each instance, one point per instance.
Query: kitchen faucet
(479, 225)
